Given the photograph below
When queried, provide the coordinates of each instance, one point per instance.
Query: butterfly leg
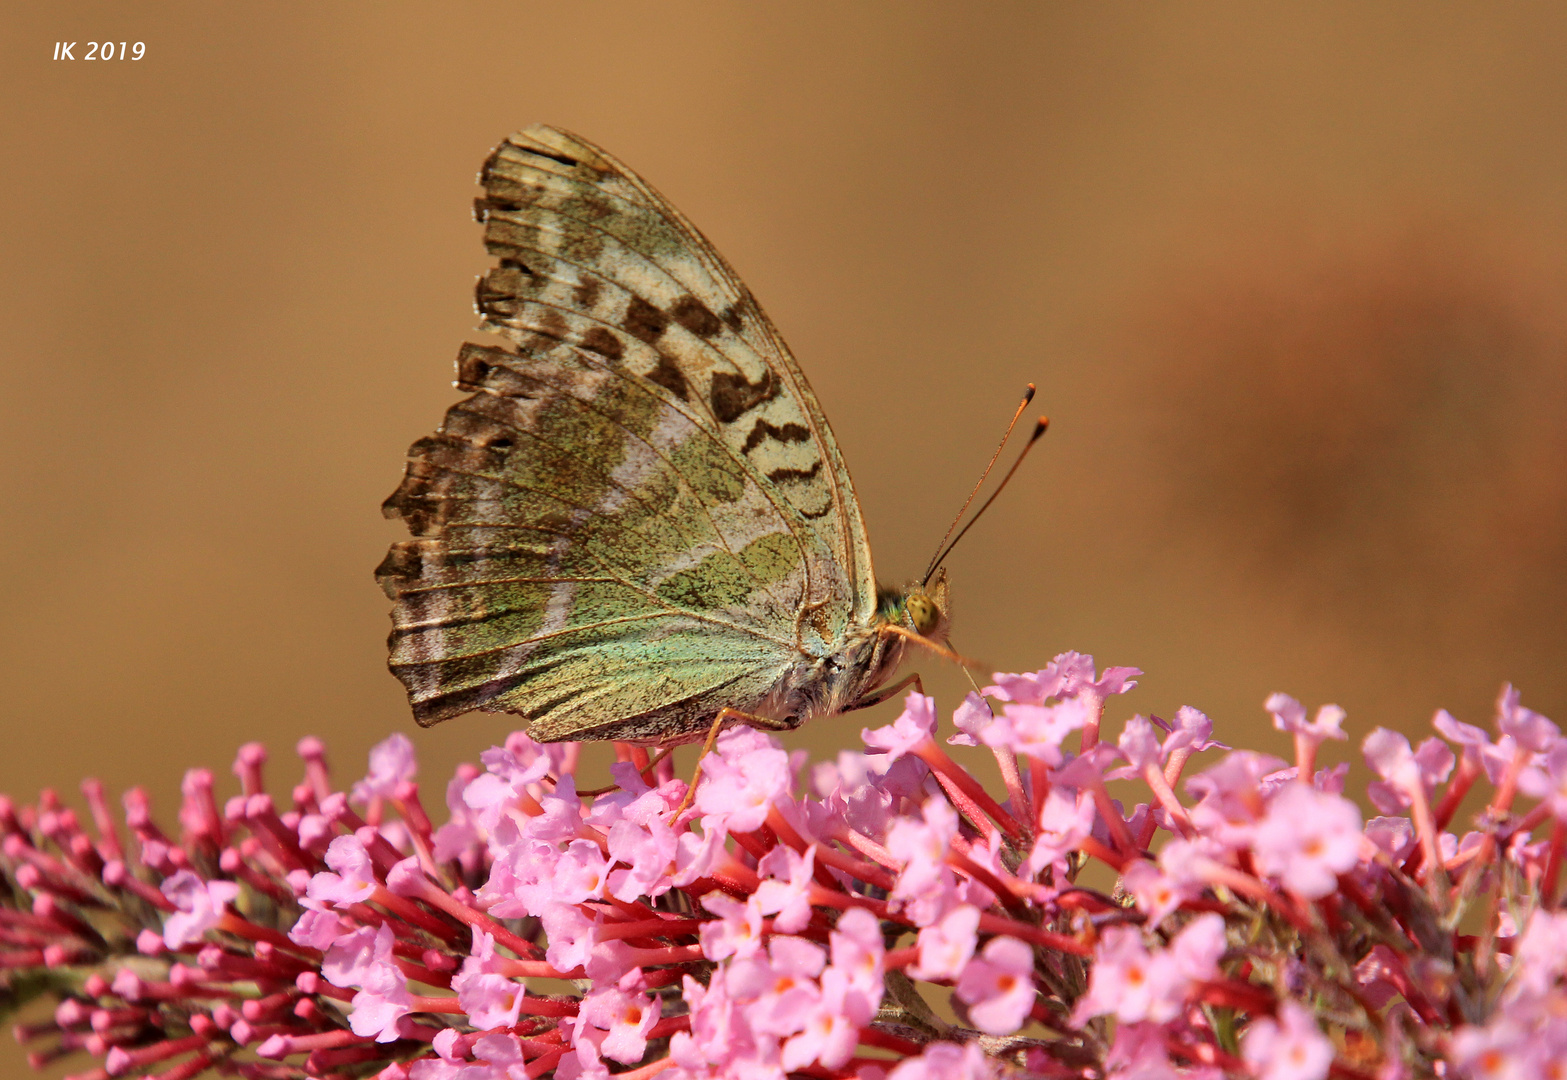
(876, 697)
(646, 772)
(725, 716)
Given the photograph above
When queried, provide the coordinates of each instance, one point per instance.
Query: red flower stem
(668, 1026)
(320, 1062)
(1039, 786)
(1468, 773)
(646, 1072)
(1009, 890)
(825, 856)
(1006, 761)
(1425, 829)
(1092, 847)
(1112, 817)
(944, 767)
(117, 875)
(243, 927)
(324, 1040)
(1246, 885)
(675, 954)
(863, 844)
(1096, 712)
(534, 969)
(1234, 994)
(1305, 757)
(997, 924)
(901, 958)
(1206, 1054)
(188, 1069)
(441, 900)
(1553, 865)
(752, 843)
(1167, 799)
(653, 928)
(539, 1066)
(109, 845)
(158, 1051)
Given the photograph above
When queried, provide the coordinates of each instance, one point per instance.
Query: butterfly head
(919, 607)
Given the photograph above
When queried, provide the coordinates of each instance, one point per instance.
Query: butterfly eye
(923, 613)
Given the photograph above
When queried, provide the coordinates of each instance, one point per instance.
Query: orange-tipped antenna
(1028, 395)
(1040, 427)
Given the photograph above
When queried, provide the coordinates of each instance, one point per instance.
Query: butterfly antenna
(1040, 428)
(1028, 395)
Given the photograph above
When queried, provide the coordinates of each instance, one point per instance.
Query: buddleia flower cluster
(1103, 906)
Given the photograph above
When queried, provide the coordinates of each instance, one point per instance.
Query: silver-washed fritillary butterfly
(639, 517)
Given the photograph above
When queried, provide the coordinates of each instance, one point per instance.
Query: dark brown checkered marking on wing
(779, 476)
(732, 395)
(692, 314)
(604, 343)
(787, 433)
(644, 321)
(586, 294)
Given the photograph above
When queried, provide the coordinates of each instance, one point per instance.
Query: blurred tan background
(1290, 279)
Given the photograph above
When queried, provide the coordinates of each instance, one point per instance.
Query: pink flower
(490, 998)
(581, 873)
(787, 900)
(391, 762)
(1037, 731)
(1404, 772)
(1307, 839)
(1157, 894)
(914, 725)
(738, 931)
(945, 947)
(747, 774)
(200, 903)
(1531, 730)
(1065, 821)
(364, 959)
(858, 951)
(625, 1014)
(1067, 675)
(1289, 1048)
(998, 986)
(355, 878)
(1129, 982)
(1290, 715)
(1192, 731)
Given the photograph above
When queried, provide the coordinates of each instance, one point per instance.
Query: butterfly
(639, 518)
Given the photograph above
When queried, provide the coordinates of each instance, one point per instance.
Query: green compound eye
(923, 613)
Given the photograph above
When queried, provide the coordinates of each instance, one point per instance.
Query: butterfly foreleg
(876, 697)
(725, 717)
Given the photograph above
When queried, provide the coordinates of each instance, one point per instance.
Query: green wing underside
(639, 515)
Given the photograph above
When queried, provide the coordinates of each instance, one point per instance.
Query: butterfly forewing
(639, 515)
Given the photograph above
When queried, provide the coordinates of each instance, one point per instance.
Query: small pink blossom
(391, 762)
(1307, 839)
(998, 986)
(945, 947)
(747, 774)
(1289, 1048)
(914, 725)
(490, 998)
(354, 879)
(1290, 715)
(201, 905)
(785, 894)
